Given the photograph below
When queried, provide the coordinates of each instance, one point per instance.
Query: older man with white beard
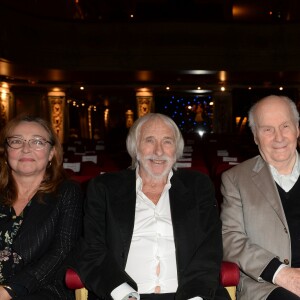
(152, 232)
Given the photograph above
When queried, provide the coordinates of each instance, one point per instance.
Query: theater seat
(229, 278)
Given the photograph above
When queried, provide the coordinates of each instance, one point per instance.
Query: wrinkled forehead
(157, 127)
(273, 112)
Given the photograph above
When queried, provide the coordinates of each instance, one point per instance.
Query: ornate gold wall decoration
(57, 106)
(129, 118)
(4, 103)
(144, 99)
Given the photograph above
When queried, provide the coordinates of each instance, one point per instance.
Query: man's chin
(159, 173)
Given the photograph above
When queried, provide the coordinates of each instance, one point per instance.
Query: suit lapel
(123, 206)
(178, 203)
(265, 183)
(183, 214)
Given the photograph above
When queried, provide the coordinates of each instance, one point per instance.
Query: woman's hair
(135, 130)
(288, 101)
(54, 173)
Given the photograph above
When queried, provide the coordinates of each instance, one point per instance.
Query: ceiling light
(199, 72)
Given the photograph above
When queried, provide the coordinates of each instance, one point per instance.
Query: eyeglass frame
(28, 142)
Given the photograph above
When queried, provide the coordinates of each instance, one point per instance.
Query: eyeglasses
(35, 144)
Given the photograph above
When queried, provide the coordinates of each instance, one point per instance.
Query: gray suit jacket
(254, 226)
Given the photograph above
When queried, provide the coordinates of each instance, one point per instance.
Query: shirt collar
(287, 181)
(295, 171)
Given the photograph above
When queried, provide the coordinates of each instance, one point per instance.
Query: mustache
(155, 157)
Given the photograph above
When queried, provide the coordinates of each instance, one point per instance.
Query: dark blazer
(108, 229)
(49, 231)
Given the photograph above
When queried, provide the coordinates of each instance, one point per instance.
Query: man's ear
(255, 139)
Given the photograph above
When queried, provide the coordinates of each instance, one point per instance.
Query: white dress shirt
(286, 182)
(152, 244)
(151, 260)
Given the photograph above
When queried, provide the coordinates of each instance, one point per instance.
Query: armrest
(230, 274)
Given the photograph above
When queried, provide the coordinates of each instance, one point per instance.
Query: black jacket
(48, 233)
(108, 228)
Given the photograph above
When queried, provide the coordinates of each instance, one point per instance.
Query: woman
(40, 212)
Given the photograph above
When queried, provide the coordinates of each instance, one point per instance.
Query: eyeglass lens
(17, 143)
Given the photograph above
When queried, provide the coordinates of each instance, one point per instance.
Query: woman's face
(27, 161)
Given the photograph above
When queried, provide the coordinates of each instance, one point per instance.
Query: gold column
(145, 103)
(57, 100)
(4, 103)
(222, 119)
(129, 118)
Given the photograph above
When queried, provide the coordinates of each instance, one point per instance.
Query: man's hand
(289, 278)
(4, 295)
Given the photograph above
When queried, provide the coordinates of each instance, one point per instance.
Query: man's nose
(278, 135)
(158, 149)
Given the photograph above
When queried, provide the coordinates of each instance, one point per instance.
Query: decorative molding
(57, 106)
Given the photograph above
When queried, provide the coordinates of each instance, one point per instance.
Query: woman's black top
(34, 245)
(10, 261)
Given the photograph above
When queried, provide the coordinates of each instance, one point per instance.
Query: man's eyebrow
(169, 138)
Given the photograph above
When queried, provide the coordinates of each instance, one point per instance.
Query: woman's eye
(16, 141)
(38, 142)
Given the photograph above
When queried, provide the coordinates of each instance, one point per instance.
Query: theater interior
(92, 67)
